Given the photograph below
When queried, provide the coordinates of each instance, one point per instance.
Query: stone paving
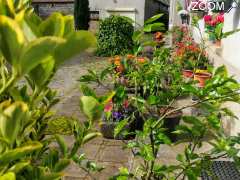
(106, 153)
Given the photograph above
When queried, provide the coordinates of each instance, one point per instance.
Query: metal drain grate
(222, 170)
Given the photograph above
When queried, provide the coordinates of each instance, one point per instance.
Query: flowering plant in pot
(214, 26)
(190, 57)
(116, 110)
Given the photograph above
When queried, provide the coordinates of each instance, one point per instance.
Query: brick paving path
(107, 153)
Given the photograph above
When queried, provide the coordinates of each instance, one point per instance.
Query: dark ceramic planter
(171, 122)
(107, 130)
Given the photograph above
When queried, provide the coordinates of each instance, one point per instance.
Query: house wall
(228, 55)
(103, 5)
(153, 7)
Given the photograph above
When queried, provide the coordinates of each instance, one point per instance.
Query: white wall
(231, 50)
(103, 5)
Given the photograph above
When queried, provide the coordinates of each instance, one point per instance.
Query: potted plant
(117, 111)
(214, 27)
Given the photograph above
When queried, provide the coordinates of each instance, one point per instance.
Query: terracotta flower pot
(202, 78)
(187, 73)
(218, 43)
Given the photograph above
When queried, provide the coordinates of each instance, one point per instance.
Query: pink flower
(109, 106)
(207, 18)
(213, 23)
(220, 18)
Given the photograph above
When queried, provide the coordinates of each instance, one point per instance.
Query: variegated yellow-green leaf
(7, 8)
(37, 52)
(8, 176)
(75, 43)
(61, 165)
(32, 26)
(91, 107)
(69, 25)
(11, 119)
(19, 153)
(41, 74)
(16, 168)
(53, 26)
(11, 39)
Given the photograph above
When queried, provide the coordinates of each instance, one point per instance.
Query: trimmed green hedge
(115, 36)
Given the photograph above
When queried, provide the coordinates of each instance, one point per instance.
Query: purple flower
(117, 115)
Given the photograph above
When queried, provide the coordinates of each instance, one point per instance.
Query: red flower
(220, 18)
(207, 18)
(125, 104)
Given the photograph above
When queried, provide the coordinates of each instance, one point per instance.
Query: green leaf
(37, 52)
(154, 27)
(11, 120)
(87, 91)
(53, 26)
(191, 120)
(19, 153)
(154, 18)
(222, 70)
(61, 165)
(75, 43)
(62, 145)
(229, 33)
(137, 35)
(90, 136)
(41, 73)
(11, 39)
(118, 129)
(16, 168)
(51, 176)
(8, 176)
(190, 89)
(91, 107)
(69, 25)
(31, 26)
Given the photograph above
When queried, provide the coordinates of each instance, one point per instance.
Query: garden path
(107, 153)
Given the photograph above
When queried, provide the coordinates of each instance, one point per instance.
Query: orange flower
(117, 63)
(130, 56)
(119, 68)
(141, 60)
(158, 35)
(117, 58)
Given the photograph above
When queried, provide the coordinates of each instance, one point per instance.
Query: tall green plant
(81, 14)
(33, 49)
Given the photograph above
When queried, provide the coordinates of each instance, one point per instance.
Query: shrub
(115, 36)
(81, 14)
